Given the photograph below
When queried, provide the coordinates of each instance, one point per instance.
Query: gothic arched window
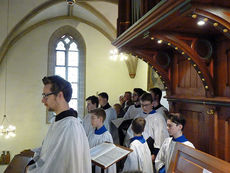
(67, 64)
(67, 59)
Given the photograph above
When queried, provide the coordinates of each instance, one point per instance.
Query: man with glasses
(65, 147)
(155, 130)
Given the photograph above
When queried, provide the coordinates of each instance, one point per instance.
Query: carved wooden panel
(223, 136)
(207, 127)
(222, 68)
(199, 128)
(185, 78)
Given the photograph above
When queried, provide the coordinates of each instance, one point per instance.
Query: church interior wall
(27, 64)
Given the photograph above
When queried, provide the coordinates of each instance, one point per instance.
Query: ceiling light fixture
(115, 55)
(159, 41)
(200, 22)
(5, 128)
(71, 2)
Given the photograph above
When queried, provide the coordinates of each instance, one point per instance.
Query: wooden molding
(215, 101)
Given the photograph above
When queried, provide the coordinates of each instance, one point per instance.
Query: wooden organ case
(195, 35)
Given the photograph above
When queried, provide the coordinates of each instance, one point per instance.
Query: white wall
(27, 64)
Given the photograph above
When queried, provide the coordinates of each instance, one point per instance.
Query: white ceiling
(99, 13)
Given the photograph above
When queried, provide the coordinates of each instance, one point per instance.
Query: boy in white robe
(100, 135)
(175, 123)
(135, 109)
(110, 115)
(140, 159)
(65, 147)
(131, 113)
(157, 106)
(155, 130)
(92, 103)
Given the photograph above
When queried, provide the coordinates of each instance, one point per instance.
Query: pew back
(188, 160)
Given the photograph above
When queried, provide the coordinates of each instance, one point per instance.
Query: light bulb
(201, 23)
(159, 41)
(115, 51)
(11, 128)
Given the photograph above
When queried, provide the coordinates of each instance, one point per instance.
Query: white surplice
(162, 110)
(111, 115)
(165, 154)
(96, 139)
(156, 128)
(87, 124)
(129, 133)
(65, 149)
(140, 159)
(132, 112)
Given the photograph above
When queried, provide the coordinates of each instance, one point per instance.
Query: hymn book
(106, 154)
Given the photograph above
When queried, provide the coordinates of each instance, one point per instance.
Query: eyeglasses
(44, 96)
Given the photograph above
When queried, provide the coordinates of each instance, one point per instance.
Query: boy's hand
(153, 158)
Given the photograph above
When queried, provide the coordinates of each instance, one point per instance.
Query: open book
(106, 154)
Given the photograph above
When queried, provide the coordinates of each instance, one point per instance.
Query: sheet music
(112, 156)
(101, 149)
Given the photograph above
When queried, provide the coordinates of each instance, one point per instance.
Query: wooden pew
(188, 160)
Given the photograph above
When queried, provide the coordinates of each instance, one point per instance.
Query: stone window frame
(71, 31)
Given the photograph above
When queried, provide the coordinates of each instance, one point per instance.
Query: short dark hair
(128, 92)
(146, 97)
(177, 118)
(99, 112)
(139, 91)
(93, 99)
(138, 125)
(58, 84)
(156, 91)
(104, 95)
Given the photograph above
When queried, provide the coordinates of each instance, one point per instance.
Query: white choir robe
(87, 124)
(162, 110)
(165, 154)
(79, 119)
(140, 159)
(129, 133)
(156, 128)
(111, 115)
(96, 139)
(65, 149)
(132, 112)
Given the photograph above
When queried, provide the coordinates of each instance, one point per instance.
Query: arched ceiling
(100, 14)
(89, 11)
